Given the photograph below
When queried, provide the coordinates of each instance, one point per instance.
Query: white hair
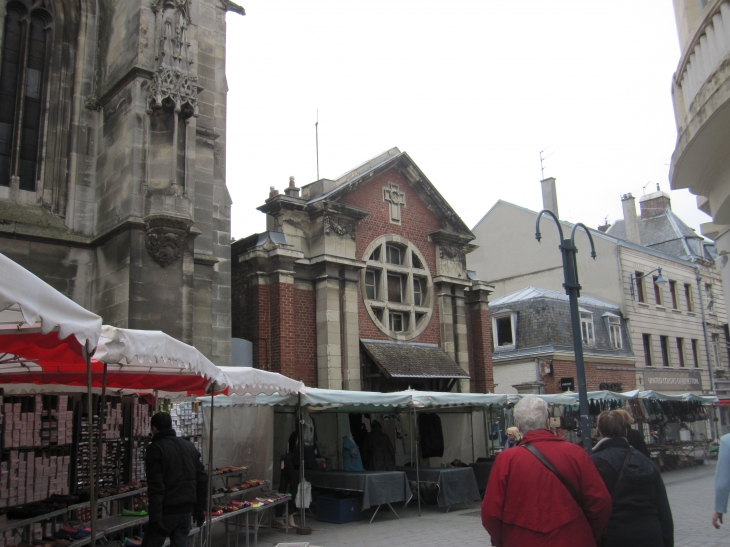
(531, 413)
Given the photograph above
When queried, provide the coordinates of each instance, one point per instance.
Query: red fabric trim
(62, 363)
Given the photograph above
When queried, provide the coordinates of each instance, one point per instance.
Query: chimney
(655, 204)
(292, 191)
(630, 220)
(273, 192)
(549, 195)
(604, 227)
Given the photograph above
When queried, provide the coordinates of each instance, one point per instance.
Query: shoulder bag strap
(543, 460)
(629, 452)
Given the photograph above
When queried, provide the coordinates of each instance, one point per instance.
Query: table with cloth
(455, 484)
(377, 487)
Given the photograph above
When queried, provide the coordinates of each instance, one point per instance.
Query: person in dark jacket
(641, 513)
(377, 451)
(635, 438)
(177, 485)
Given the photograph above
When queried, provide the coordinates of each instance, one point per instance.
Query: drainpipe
(698, 278)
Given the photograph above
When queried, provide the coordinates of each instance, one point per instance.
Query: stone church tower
(360, 283)
(112, 159)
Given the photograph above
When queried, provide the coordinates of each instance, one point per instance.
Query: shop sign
(567, 384)
(662, 380)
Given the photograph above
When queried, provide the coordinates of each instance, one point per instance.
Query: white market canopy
(27, 302)
(365, 401)
(248, 381)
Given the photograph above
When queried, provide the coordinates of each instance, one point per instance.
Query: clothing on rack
(431, 436)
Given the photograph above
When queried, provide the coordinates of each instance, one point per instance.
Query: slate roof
(400, 360)
(529, 293)
(666, 233)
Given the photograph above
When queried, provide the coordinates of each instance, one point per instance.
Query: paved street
(690, 493)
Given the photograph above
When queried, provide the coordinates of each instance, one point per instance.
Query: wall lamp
(660, 280)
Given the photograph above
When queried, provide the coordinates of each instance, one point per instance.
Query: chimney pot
(273, 192)
(550, 195)
(631, 222)
(291, 182)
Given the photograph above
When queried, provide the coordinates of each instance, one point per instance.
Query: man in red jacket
(527, 504)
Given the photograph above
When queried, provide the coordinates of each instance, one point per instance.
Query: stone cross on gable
(396, 198)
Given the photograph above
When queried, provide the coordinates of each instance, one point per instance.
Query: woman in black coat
(641, 513)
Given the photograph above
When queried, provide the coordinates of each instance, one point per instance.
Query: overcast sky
(472, 90)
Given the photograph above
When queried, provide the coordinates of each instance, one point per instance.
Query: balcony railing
(709, 46)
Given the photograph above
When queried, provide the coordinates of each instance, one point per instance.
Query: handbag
(304, 495)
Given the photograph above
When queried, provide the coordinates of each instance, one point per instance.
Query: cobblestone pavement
(691, 494)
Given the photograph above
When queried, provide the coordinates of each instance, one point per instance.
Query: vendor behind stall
(378, 452)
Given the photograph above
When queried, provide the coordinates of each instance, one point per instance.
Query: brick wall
(594, 376)
(479, 332)
(306, 333)
(417, 222)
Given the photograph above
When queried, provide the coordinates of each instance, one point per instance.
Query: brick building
(361, 283)
(533, 344)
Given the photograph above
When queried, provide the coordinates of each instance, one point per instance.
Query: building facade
(665, 322)
(533, 344)
(701, 96)
(361, 283)
(112, 159)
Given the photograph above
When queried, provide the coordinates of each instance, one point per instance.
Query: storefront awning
(403, 360)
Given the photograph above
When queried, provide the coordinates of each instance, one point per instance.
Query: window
(664, 342)
(657, 292)
(418, 285)
(396, 287)
(647, 349)
(673, 291)
(372, 280)
(614, 332)
(695, 355)
(638, 276)
(393, 255)
(504, 327)
(717, 356)
(710, 299)
(586, 328)
(688, 295)
(680, 351)
(22, 88)
(397, 322)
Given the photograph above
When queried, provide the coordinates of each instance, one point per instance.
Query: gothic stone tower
(112, 159)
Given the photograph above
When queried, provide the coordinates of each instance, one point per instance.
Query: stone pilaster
(350, 330)
(329, 335)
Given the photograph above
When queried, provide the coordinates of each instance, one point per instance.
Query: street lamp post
(660, 280)
(572, 289)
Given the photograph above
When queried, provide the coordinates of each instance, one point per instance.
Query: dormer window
(586, 328)
(613, 326)
(504, 330)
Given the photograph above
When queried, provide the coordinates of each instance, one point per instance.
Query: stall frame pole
(92, 462)
(209, 527)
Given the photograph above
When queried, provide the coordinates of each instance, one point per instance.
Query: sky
(472, 90)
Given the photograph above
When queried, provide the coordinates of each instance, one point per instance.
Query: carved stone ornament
(448, 251)
(173, 84)
(164, 240)
(92, 103)
(340, 228)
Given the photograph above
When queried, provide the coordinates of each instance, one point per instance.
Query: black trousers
(176, 527)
